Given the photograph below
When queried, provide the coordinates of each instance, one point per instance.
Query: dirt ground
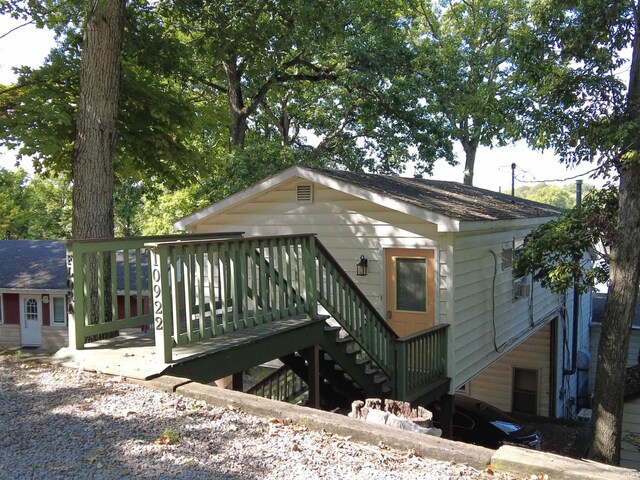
(566, 438)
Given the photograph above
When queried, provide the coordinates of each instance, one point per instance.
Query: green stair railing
(344, 301)
(283, 385)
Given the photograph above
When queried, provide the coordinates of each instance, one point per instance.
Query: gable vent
(304, 193)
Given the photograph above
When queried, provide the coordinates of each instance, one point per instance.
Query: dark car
(483, 424)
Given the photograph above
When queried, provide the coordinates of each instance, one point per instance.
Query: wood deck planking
(133, 353)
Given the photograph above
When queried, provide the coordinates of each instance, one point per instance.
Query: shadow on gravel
(52, 430)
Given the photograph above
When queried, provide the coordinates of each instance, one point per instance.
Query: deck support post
(312, 354)
(448, 409)
(236, 382)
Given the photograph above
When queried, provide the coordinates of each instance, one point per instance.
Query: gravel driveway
(58, 423)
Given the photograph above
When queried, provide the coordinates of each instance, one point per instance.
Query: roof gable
(450, 205)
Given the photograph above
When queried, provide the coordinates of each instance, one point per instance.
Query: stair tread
(332, 328)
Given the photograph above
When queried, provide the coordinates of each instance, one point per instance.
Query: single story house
(430, 253)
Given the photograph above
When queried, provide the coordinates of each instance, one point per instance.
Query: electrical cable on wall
(500, 348)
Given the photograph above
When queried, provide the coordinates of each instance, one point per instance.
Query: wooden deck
(133, 353)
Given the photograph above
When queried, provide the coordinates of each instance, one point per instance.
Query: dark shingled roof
(33, 264)
(41, 265)
(455, 200)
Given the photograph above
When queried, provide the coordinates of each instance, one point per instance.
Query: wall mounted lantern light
(361, 268)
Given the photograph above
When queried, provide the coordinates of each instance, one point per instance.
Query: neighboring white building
(630, 448)
(437, 253)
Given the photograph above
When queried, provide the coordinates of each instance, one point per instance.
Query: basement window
(304, 193)
(525, 391)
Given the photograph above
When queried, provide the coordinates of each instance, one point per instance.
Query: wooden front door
(410, 281)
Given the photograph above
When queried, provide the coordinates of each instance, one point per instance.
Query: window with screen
(58, 311)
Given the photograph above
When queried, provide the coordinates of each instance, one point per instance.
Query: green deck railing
(196, 287)
(207, 288)
(109, 285)
(421, 359)
(99, 274)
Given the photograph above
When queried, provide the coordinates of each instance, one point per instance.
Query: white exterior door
(30, 320)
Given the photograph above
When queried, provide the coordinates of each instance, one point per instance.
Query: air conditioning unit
(521, 288)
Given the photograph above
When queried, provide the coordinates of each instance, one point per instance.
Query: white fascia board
(444, 223)
(236, 198)
(23, 291)
(502, 224)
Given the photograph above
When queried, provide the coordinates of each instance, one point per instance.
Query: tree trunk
(619, 314)
(470, 147)
(95, 141)
(623, 293)
(239, 126)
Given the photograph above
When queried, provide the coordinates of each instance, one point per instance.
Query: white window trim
(1, 310)
(52, 321)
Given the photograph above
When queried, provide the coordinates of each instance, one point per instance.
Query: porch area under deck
(205, 307)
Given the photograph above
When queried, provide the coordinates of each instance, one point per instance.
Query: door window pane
(31, 309)
(411, 284)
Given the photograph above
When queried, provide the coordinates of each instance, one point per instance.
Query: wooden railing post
(160, 301)
(75, 281)
(400, 366)
(309, 262)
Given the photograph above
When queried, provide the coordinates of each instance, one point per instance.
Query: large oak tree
(569, 56)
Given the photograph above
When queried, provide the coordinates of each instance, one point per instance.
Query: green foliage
(466, 66)
(157, 123)
(50, 209)
(13, 201)
(559, 196)
(555, 252)
(34, 209)
(165, 207)
(567, 56)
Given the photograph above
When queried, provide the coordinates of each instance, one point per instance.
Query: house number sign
(157, 294)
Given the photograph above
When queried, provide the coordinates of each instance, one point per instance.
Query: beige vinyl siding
(495, 384)
(630, 449)
(484, 307)
(54, 337)
(349, 227)
(9, 335)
